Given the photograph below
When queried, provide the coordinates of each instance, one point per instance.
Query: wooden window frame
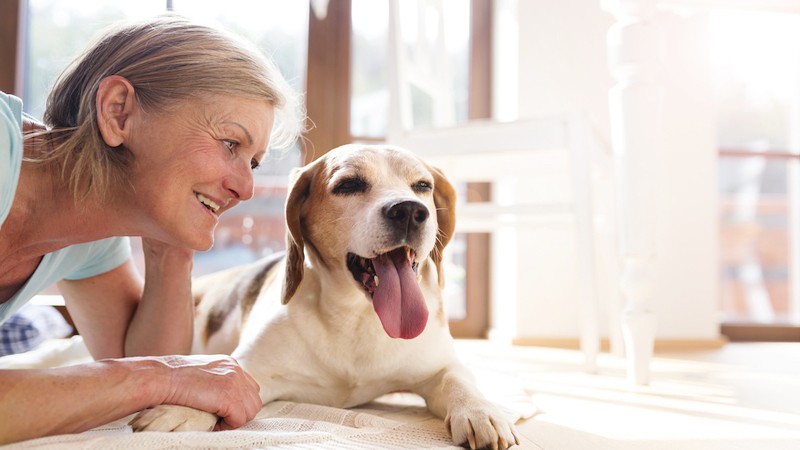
(478, 273)
(328, 80)
(10, 16)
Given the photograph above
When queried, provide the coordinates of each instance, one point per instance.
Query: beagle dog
(354, 310)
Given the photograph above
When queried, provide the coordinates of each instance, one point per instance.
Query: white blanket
(395, 421)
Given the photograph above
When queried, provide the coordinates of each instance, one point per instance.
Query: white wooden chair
(509, 155)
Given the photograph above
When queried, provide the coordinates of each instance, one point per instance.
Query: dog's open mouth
(391, 280)
(364, 271)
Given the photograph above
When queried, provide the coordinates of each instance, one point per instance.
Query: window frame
(10, 18)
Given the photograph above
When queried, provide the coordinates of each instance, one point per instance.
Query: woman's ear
(115, 102)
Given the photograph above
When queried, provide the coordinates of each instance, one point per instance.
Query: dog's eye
(422, 186)
(350, 186)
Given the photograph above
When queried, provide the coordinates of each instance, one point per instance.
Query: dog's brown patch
(248, 286)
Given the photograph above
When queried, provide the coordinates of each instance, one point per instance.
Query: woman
(154, 132)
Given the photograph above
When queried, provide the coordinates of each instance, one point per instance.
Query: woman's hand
(213, 383)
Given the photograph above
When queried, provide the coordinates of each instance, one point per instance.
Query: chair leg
(581, 177)
(638, 323)
(636, 112)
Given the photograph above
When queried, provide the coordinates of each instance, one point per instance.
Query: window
(758, 96)
(443, 44)
(58, 31)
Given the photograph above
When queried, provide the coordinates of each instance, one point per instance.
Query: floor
(742, 396)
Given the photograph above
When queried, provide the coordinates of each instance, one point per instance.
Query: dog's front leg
(173, 418)
(471, 419)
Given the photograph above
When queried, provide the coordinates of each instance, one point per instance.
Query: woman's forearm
(44, 402)
(164, 319)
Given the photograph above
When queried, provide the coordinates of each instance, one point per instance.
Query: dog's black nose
(407, 215)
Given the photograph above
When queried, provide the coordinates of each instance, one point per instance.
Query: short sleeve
(102, 256)
(10, 150)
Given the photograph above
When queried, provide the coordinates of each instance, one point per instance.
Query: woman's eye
(254, 164)
(230, 145)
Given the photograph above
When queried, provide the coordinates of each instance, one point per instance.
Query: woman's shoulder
(11, 108)
(10, 150)
(93, 258)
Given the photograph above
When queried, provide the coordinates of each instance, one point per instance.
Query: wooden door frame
(10, 15)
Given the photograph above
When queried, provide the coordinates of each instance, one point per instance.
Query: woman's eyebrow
(244, 130)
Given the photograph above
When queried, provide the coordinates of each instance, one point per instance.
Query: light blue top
(71, 263)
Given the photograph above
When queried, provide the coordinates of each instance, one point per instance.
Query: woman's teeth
(207, 202)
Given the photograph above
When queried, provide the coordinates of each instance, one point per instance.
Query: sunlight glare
(758, 50)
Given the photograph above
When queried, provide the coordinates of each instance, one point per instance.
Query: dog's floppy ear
(299, 191)
(444, 197)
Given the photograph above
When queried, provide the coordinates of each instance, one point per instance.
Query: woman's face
(194, 162)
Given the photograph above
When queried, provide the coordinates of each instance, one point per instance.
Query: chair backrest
(422, 110)
(421, 86)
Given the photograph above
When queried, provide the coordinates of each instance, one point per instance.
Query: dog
(354, 310)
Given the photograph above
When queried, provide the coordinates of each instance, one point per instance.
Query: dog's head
(377, 212)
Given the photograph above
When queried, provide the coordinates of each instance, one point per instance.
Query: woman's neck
(46, 217)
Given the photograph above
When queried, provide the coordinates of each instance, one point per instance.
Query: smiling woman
(153, 132)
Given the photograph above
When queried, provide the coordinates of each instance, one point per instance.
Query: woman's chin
(206, 245)
(200, 244)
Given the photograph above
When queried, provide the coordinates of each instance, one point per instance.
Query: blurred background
(727, 244)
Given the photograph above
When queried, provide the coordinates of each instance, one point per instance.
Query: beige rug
(395, 421)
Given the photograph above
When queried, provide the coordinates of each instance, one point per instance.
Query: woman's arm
(119, 315)
(72, 399)
(164, 319)
(102, 308)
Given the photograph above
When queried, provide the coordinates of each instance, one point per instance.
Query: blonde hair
(167, 59)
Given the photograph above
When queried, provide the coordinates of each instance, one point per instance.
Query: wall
(562, 67)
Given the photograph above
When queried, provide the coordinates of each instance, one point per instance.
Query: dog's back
(223, 301)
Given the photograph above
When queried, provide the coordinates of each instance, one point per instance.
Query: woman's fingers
(216, 384)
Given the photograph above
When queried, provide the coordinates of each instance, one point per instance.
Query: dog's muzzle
(391, 280)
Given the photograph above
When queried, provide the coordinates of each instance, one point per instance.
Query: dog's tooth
(376, 279)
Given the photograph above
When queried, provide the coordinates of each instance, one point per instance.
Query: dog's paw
(481, 427)
(173, 418)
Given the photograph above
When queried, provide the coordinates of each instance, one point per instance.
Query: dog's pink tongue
(398, 300)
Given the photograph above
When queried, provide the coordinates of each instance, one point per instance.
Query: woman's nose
(241, 183)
